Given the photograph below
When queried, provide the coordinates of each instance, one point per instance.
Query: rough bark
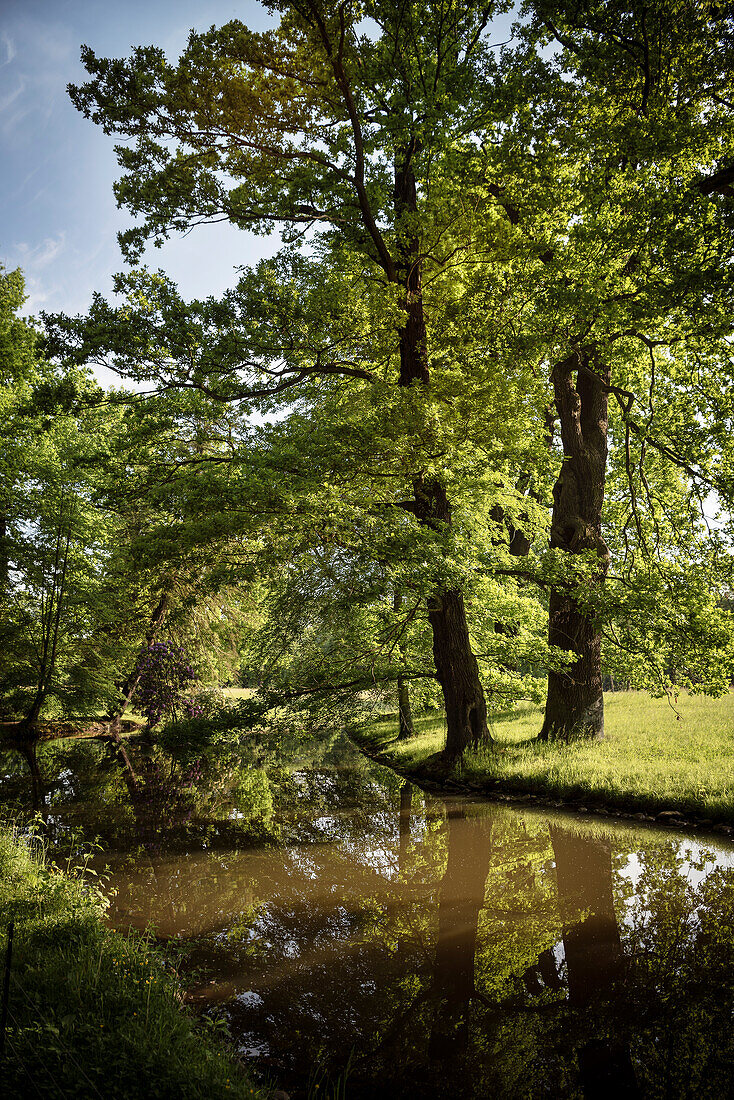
(457, 670)
(458, 673)
(575, 701)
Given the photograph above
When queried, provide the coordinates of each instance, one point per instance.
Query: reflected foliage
(431, 947)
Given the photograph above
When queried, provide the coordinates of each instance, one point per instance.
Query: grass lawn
(93, 1013)
(649, 761)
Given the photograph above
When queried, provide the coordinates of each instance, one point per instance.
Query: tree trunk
(575, 700)
(405, 713)
(457, 670)
(51, 619)
(458, 673)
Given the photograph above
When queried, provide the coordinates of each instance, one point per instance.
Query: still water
(358, 934)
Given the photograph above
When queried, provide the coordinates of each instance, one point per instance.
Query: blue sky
(58, 219)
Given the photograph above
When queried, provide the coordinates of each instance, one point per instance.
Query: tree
(338, 137)
(53, 539)
(90, 574)
(606, 146)
(422, 311)
(18, 363)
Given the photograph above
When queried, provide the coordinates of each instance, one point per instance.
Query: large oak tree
(339, 132)
(488, 234)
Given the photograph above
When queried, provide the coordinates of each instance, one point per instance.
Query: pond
(364, 937)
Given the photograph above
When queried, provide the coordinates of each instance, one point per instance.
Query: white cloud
(36, 297)
(9, 46)
(20, 191)
(35, 258)
(10, 97)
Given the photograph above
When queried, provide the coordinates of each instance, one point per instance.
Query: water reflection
(593, 952)
(461, 899)
(443, 948)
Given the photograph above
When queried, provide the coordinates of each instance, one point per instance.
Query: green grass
(93, 1013)
(649, 761)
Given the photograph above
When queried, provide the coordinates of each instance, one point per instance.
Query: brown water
(356, 933)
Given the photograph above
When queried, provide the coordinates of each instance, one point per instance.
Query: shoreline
(504, 791)
(99, 998)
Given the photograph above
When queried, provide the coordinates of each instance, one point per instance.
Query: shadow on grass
(653, 760)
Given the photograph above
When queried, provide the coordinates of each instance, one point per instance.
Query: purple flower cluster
(165, 674)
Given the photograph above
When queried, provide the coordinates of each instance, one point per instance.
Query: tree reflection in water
(461, 899)
(448, 948)
(593, 952)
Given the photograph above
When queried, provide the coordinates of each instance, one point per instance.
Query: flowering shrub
(165, 682)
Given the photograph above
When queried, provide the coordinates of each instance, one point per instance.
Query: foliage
(165, 682)
(88, 568)
(57, 545)
(87, 1003)
(578, 224)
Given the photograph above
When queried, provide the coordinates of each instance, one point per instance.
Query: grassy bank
(651, 760)
(93, 1013)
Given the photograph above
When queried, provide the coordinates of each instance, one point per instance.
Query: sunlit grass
(650, 758)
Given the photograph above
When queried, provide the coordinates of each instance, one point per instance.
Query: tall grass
(653, 757)
(93, 1013)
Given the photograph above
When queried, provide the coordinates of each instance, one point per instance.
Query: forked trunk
(457, 670)
(575, 701)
